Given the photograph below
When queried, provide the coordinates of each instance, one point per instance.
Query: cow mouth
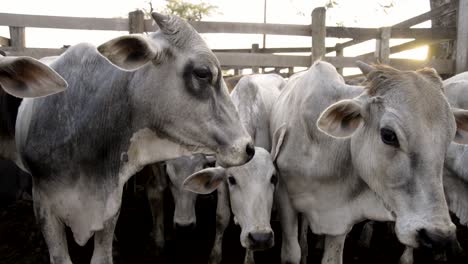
(190, 147)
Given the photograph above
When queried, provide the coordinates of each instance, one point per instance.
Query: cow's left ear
(278, 138)
(461, 118)
(27, 77)
(205, 181)
(130, 52)
(341, 119)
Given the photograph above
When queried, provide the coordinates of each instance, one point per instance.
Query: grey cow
(81, 146)
(350, 154)
(249, 188)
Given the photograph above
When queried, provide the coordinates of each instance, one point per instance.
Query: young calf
(249, 188)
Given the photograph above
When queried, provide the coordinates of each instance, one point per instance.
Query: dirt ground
(22, 242)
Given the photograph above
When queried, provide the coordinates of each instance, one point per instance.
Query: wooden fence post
(17, 37)
(461, 63)
(318, 33)
(339, 54)
(136, 22)
(255, 48)
(382, 46)
(290, 71)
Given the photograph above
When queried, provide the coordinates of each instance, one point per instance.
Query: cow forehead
(413, 95)
(260, 167)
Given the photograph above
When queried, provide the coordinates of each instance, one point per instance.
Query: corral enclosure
(256, 57)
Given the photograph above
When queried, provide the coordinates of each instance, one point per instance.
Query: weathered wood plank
(462, 37)
(270, 50)
(370, 33)
(384, 42)
(268, 60)
(4, 41)
(318, 33)
(243, 28)
(442, 10)
(17, 37)
(136, 22)
(32, 52)
(83, 23)
(402, 47)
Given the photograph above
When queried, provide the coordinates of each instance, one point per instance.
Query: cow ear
(129, 52)
(27, 77)
(341, 119)
(461, 118)
(205, 181)
(278, 138)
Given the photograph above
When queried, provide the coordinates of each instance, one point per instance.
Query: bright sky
(352, 13)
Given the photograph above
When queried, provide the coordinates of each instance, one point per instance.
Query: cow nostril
(184, 228)
(250, 150)
(433, 239)
(424, 239)
(261, 239)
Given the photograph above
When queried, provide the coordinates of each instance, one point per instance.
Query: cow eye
(274, 179)
(202, 73)
(389, 137)
(231, 180)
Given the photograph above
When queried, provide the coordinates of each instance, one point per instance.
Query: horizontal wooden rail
(440, 11)
(401, 47)
(269, 60)
(269, 50)
(371, 33)
(83, 23)
(122, 24)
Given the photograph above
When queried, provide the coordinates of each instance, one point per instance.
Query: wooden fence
(256, 57)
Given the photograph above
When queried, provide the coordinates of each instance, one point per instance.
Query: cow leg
(303, 239)
(53, 231)
(103, 242)
(290, 249)
(249, 256)
(155, 194)
(223, 215)
(366, 234)
(407, 256)
(333, 252)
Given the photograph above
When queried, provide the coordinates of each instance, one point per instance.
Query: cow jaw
(146, 147)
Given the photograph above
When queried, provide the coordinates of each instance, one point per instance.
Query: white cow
(249, 188)
(350, 153)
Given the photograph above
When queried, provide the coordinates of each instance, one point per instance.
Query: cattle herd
(318, 152)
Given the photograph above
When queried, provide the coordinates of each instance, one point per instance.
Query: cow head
(178, 170)
(179, 89)
(251, 187)
(27, 77)
(400, 129)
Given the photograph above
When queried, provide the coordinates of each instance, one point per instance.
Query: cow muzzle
(260, 240)
(239, 153)
(436, 238)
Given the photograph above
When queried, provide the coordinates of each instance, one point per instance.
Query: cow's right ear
(341, 119)
(27, 77)
(205, 181)
(129, 52)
